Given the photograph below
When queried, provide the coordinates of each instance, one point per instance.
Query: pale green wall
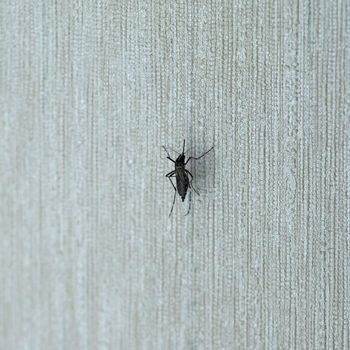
(90, 91)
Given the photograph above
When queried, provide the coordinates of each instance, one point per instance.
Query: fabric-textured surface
(91, 90)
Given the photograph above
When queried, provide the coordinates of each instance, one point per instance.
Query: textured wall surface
(91, 90)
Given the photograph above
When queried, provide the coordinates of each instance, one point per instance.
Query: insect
(183, 183)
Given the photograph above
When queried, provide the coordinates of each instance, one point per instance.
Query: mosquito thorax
(180, 160)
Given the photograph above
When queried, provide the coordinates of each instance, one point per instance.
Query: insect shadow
(181, 174)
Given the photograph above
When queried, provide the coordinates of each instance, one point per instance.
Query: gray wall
(90, 91)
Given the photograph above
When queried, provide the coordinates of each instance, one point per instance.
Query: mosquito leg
(189, 173)
(194, 188)
(189, 203)
(196, 158)
(191, 185)
(172, 206)
(168, 155)
(169, 177)
(170, 174)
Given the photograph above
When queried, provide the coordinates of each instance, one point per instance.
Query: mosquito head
(180, 159)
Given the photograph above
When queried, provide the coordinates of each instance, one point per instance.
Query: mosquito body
(183, 176)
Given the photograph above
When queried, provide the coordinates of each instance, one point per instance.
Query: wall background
(90, 91)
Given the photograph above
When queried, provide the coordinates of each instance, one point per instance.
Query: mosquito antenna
(188, 149)
(166, 151)
(183, 148)
(172, 150)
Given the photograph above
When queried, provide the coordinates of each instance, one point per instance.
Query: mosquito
(183, 182)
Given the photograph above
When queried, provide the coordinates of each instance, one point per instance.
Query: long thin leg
(172, 206)
(188, 172)
(189, 203)
(191, 185)
(169, 177)
(183, 148)
(196, 158)
(171, 173)
(168, 154)
(194, 189)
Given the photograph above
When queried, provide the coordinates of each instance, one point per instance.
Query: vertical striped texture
(90, 90)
